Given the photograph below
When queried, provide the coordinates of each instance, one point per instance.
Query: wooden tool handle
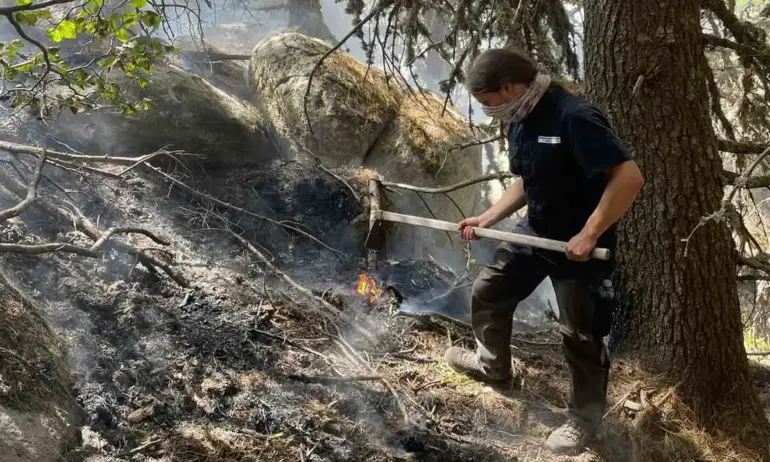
(513, 238)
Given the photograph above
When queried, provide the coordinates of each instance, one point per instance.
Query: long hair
(496, 67)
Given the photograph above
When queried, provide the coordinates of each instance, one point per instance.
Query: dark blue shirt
(563, 151)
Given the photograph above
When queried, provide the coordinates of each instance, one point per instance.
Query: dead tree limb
(83, 224)
(330, 379)
(31, 192)
(50, 247)
(125, 230)
(489, 177)
(82, 158)
(328, 307)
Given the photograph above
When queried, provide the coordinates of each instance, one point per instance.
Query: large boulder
(360, 118)
(188, 113)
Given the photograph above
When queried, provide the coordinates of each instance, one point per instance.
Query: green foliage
(45, 79)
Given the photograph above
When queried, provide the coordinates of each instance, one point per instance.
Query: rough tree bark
(680, 312)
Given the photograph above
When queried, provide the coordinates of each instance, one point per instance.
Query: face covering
(515, 110)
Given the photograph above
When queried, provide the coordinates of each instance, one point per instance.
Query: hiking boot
(466, 362)
(569, 439)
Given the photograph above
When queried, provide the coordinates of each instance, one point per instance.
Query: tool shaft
(513, 238)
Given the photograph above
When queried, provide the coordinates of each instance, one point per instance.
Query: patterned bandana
(515, 110)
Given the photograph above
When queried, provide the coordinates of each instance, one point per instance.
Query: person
(577, 180)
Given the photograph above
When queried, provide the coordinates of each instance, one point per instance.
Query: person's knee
(485, 288)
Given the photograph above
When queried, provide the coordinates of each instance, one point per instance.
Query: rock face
(188, 113)
(360, 118)
(36, 419)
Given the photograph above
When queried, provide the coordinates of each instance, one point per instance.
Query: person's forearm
(622, 188)
(513, 199)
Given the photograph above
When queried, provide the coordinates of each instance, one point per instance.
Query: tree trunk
(679, 301)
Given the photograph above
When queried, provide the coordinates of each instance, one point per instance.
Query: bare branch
(446, 189)
(51, 247)
(328, 307)
(125, 230)
(9, 10)
(738, 147)
(105, 159)
(31, 192)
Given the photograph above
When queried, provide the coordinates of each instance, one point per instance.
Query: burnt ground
(224, 370)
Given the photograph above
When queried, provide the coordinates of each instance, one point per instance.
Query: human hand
(579, 248)
(466, 227)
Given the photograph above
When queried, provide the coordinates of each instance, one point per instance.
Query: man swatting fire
(577, 180)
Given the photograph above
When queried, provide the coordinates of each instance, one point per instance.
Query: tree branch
(51, 247)
(105, 159)
(488, 177)
(31, 192)
(738, 147)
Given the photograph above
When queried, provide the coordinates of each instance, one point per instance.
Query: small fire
(368, 288)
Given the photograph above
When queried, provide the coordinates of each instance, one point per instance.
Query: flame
(368, 288)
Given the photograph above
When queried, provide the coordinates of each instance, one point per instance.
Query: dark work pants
(513, 275)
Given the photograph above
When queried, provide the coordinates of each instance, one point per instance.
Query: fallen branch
(333, 379)
(39, 249)
(330, 309)
(105, 159)
(293, 344)
(31, 192)
(83, 224)
(141, 448)
(123, 230)
(488, 177)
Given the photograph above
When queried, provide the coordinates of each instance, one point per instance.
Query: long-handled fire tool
(375, 240)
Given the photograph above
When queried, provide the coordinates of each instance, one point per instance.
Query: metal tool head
(375, 240)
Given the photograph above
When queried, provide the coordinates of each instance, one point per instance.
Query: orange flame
(368, 288)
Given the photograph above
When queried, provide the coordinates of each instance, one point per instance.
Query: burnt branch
(328, 308)
(126, 230)
(31, 195)
(80, 222)
(50, 247)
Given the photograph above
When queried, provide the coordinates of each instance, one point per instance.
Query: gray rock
(361, 119)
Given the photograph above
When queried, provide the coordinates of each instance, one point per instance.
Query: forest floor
(243, 366)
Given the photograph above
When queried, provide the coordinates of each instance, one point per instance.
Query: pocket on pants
(585, 309)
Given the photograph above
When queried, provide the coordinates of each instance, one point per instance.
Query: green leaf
(93, 6)
(23, 2)
(121, 35)
(25, 18)
(54, 34)
(129, 19)
(17, 43)
(151, 19)
(137, 3)
(67, 29)
(43, 14)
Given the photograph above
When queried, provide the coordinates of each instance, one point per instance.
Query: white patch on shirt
(549, 139)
